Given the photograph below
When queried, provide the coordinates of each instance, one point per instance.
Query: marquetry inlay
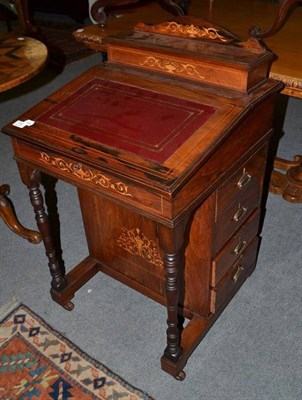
(9, 53)
(135, 242)
(191, 31)
(85, 174)
(172, 66)
(20, 59)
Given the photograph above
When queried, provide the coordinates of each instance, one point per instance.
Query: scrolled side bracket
(285, 8)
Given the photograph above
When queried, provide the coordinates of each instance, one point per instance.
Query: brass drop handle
(240, 247)
(244, 180)
(240, 213)
(238, 273)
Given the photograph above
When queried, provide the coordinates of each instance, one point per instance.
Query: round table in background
(21, 58)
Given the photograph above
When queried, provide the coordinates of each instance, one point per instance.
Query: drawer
(235, 247)
(88, 177)
(234, 278)
(235, 215)
(248, 177)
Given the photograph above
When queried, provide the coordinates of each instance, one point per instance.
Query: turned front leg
(171, 264)
(171, 242)
(56, 270)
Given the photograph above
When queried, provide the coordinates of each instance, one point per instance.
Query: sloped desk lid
(145, 123)
(154, 126)
(124, 120)
(120, 120)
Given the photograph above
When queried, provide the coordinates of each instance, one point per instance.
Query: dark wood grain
(168, 225)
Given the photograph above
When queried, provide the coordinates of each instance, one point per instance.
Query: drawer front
(234, 278)
(187, 67)
(85, 176)
(235, 247)
(235, 215)
(247, 178)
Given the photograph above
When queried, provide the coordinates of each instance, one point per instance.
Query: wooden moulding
(181, 48)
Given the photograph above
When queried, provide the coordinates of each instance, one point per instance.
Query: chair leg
(9, 217)
(26, 24)
(6, 15)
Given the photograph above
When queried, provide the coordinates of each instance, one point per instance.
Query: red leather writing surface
(125, 117)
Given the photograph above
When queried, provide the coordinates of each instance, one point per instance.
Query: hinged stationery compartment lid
(193, 49)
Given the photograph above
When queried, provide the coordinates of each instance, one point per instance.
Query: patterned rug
(36, 362)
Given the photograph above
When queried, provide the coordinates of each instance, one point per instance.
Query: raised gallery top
(166, 98)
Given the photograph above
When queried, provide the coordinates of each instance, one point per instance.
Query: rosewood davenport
(167, 144)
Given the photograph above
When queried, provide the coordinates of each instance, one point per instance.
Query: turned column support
(171, 241)
(32, 179)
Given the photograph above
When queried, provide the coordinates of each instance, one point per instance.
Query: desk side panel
(125, 244)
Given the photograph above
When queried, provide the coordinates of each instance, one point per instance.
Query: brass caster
(69, 306)
(181, 376)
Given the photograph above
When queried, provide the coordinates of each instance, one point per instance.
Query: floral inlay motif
(192, 31)
(135, 242)
(85, 174)
(172, 66)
